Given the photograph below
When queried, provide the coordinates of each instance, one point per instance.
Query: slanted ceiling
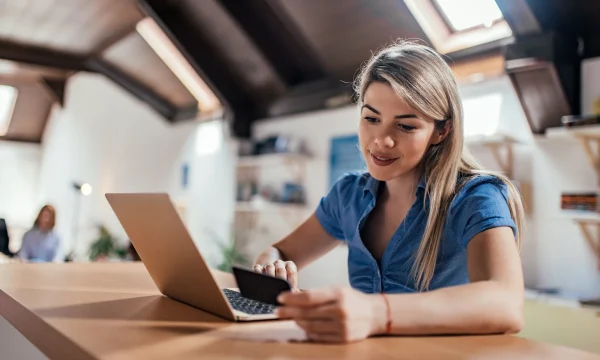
(44, 42)
(262, 58)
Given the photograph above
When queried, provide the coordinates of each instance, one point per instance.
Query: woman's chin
(380, 174)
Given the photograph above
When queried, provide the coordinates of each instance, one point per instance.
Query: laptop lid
(168, 252)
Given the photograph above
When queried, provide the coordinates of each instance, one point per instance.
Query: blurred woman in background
(40, 243)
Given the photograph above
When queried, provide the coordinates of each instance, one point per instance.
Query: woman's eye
(371, 120)
(406, 127)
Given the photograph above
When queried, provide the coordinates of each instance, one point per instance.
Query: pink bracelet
(388, 325)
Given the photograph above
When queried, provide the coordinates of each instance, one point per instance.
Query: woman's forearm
(483, 307)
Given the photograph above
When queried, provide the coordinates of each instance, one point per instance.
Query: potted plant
(106, 246)
(229, 253)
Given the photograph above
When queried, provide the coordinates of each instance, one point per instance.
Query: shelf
(490, 140)
(581, 216)
(270, 160)
(586, 220)
(588, 136)
(496, 143)
(573, 132)
(266, 207)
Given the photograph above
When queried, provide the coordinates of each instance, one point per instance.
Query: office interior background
(244, 113)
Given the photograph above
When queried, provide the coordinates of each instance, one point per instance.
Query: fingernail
(281, 298)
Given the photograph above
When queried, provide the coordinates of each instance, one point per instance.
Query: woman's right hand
(286, 270)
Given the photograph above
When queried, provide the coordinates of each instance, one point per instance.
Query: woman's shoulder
(477, 187)
(31, 231)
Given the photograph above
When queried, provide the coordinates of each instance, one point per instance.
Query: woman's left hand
(334, 315)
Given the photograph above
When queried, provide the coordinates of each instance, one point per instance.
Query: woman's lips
(382, 160)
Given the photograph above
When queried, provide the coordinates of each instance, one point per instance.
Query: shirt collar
(372, 185)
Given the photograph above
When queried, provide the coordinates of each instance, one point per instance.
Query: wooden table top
(114, 311)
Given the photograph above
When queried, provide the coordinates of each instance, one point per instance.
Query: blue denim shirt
(481, 204)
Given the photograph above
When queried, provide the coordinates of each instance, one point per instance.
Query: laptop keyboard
(248, 306)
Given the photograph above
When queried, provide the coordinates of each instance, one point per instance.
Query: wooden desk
(113, 311)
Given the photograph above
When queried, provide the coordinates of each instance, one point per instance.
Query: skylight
(8, 95)
(466, 14)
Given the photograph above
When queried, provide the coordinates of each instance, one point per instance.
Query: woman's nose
(385, 141)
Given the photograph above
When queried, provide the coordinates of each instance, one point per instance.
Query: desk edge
(42, 335)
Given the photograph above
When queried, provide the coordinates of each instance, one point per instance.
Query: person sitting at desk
(433, 239)
(40, 243)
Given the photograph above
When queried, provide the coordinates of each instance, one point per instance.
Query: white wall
(107, 138)
(554, 252)
(19, 172)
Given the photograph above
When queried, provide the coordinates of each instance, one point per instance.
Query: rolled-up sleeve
(482, 205)
(330, 207)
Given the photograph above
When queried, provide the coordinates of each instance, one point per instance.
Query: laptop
(173, 261)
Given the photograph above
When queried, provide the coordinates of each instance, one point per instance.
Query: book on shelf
(587, 201)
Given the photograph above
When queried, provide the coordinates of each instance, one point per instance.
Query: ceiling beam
(21, 140)
(206, 60)
(114, 39)
(42, 57)
(56, 89)
(133, 86)
(274, 33)
(519, 17)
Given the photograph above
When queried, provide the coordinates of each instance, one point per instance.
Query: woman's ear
(440, 132)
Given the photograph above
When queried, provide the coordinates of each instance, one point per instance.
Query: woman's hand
(286, 270)
(334, 315)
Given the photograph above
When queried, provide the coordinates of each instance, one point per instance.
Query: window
(8, 95)
(482, 115)
(468, 14)
(453, 25)
(209, 137)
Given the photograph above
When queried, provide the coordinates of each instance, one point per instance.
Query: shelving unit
(589, 137)
(581, 216)
(501, 147)
(592, 239)
(270, 160)
(573, 132)
(250, 167)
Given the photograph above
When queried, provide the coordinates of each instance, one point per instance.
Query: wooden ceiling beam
(136, 88)
(42, 57)
(206, 60)
(56, 89)
(274, 34)
(57, 60)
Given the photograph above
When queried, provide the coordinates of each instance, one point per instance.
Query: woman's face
(393, 136)
(45, 220)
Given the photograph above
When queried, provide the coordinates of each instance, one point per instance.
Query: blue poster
(345, 157)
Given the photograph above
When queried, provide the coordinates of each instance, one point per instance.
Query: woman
(40, 243)
(432, 238)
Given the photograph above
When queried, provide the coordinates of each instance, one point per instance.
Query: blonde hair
(424, 81)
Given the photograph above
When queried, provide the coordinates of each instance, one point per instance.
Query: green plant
(230, 254)
(106, 246)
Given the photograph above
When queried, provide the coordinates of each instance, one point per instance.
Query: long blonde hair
(424, 81)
